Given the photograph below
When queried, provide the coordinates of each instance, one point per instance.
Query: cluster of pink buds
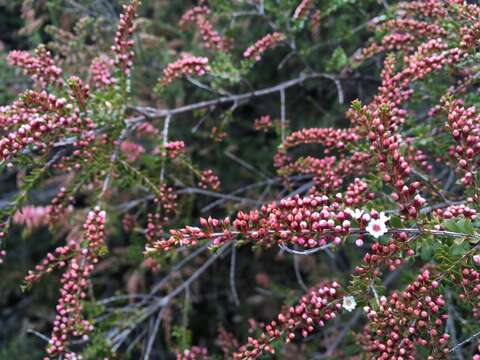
(404, 34)
(154, 230)
(418, 28)
(38, 119)
(329, 172)
(470, 35)
(464, 124)
(415, 317)
(389, 254)
(330, 138)
(192, 14)
(454, 211)
(151, 264)
(263, 123)
(419, 158)
(470, 285)
(146, 128)
(59, 206)
(211, 38)
(174, 148)
(123, 41)
(3, 253)
(185, 66)
(32, 217)
(167, 199)
(56, 260)
(227, 342)
(100, 74)
(268, 41)
(69, 320)
(209, 180)
(166, 203)
(40, 67)
(302, 9)
(357, 193)
(193, 353)
(428, 8)
(390, 42)
(307, 222)
(313, 310)
(131, 150)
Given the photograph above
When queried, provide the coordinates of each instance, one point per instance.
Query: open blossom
(349, 303)
(356, 213)
(256, 50)
(377, 227)
(187, 65)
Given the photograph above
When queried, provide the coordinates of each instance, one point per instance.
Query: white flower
(376, 228)
(349, 303)
(383, 217)
(356, 214)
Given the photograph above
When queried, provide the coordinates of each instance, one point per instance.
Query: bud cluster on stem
(312, 311)
(69, 320)
(414, 317)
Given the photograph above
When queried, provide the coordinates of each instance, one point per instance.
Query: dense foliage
(239, 179)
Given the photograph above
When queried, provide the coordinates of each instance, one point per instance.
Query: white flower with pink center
(377, 227)
(349, 303)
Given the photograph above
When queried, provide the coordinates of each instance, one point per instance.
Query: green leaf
(395, 222)
(426, 252)
(459, 249)
(451, 225)
(338, 60)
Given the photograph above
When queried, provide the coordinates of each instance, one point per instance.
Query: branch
(151, 112)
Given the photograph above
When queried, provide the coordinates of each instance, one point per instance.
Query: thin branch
(283, 114)
(38, 334)
(304, 252)
(233, 261)
(190, 190)
(166, 127)
(245, 164)
(298, 274)
(466, 341)
(151, 339)
(152, 112)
